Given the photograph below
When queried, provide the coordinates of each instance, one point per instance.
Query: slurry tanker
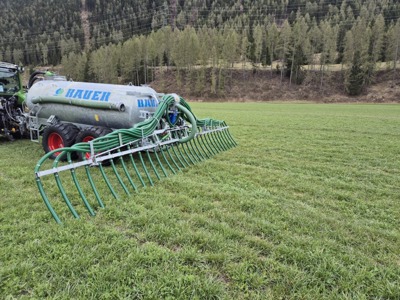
(103, 134)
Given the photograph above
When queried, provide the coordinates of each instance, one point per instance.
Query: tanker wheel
(58, 136)
(88, 134)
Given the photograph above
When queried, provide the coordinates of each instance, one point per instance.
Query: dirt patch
(264, 85)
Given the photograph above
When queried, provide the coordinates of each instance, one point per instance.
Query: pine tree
(393, 47)
(298, 50)
(244, 49)
(376, 45)
(128, 65)
(329, 39)
(355, 79)
(258, 42)
(356, 57)
(18, 56)
(284, 47)
(8, 54)
(45, 52)
(272, 36)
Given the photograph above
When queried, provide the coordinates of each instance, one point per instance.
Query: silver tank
(94, 104)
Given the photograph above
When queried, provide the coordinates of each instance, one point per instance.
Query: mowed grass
(306, 207)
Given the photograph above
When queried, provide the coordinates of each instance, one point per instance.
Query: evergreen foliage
(120, 41)
(355, 78)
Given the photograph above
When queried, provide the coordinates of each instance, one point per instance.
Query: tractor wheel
(58, 136)
(88, 134)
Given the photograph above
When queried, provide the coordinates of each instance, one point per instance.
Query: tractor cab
(10, 82)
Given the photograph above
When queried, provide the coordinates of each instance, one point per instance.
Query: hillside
(263, 86)
(42, 31)
(119, 42)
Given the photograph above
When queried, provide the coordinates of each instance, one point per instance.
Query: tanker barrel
(79, 103)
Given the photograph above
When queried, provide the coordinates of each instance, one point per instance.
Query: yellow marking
(96, 117)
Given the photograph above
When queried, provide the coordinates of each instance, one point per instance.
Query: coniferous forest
(204, 40)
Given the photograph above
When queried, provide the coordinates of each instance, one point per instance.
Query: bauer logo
(59, 92)
(147, 103)
(88, 95)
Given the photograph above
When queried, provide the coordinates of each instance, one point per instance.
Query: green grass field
(306, 207)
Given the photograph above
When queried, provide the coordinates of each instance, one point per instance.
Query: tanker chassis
(66, 112)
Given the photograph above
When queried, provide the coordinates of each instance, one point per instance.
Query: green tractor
(12, 96)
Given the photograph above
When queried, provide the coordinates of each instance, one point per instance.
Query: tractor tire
(58, 136)
(88, 134)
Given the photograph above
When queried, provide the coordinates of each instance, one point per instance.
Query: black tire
(88, 134)
(58, 136)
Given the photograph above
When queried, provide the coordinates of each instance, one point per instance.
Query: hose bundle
(178, 145)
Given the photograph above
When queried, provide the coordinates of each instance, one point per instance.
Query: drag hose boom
(171, 139)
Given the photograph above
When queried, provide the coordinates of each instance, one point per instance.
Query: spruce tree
(356, 78)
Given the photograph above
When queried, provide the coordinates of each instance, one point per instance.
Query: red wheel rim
(55, 141)
(85, 140)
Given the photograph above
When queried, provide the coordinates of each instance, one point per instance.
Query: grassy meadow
(307, 206)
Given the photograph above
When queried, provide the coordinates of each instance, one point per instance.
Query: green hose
(131, 137)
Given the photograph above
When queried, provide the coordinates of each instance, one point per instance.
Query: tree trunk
(395, 57)
(271, 57)
(291, 69)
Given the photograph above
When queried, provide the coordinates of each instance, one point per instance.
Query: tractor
(12, 96)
